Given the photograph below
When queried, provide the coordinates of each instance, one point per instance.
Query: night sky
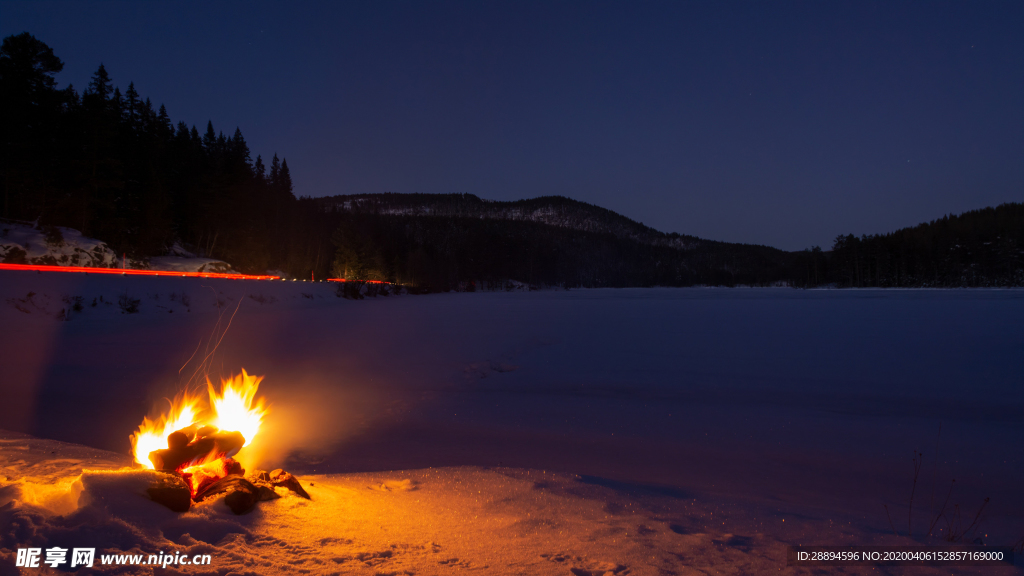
(779, 123)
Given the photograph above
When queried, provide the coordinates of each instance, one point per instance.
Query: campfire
(193, 445)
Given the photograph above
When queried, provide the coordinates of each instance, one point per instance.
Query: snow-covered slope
(24, 243)
(551, 210)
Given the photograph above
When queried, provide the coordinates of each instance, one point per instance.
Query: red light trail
(129, 272)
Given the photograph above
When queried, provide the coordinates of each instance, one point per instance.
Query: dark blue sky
(779, 123)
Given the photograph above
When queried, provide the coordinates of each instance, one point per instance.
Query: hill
(450, 241)
(551, 210)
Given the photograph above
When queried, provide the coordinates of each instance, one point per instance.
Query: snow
(71, 248)
(548, 432)
(181, 260)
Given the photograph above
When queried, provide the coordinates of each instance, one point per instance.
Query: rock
(281, 478)
(261, 479)
(260, 475)
(241, 501)
(266, 493)
(240, 494)
(171, 491)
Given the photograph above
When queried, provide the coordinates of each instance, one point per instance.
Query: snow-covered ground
(25, 243)
(631, 431)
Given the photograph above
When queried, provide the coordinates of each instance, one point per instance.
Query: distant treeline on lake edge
(118, 169)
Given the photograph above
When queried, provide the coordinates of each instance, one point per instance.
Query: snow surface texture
(64, 247)
(582, 432)
(22, 243)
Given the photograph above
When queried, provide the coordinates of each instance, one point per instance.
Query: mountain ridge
(554, 210)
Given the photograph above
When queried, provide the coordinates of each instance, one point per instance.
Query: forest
(116, 167)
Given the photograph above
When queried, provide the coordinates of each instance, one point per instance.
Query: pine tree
(100, 85)
(259, 170)
(285, 180)
(30, 110)
(132, 105)
(117, 104)
(210, 138)
(275, 171)
(164, 123)
(239, 147)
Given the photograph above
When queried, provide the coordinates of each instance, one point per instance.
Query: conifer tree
(132, 105)
(210, 138)
(285, 180)
(259, 170)
(275, 171)
(101, 85)
(164, 123)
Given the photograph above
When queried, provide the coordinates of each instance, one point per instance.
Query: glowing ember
(202, 475)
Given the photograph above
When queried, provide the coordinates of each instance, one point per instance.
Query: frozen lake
(790, 400)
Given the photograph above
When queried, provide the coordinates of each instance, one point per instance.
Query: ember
(193, 445)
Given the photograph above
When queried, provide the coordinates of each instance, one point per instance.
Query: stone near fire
(281, 478)
(242, 500)
(266, 492)
(171, 491)
(240, 494)
(261, 480)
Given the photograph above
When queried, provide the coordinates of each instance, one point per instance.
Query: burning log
(171, 491)
(178, 454)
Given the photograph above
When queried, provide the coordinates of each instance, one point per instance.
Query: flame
(152, 434)
(234, 406)
(234, 409)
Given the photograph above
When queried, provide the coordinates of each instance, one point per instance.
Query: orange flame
(152, 434)
(234, 409)
(234, 406)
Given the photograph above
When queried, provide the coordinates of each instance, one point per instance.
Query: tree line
(979, 248)
(446, 253)
(114, 166)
